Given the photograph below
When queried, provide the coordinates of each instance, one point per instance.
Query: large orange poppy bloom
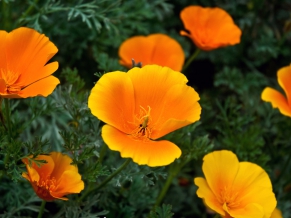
(235, 189)
(23, 70)
(209, 28)
(157, 49)
(54, 179)
(141, 106)
(277, 99)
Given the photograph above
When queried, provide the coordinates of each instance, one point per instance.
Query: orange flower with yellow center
(55, 178)
(141, 106)
(157, 49)
(235, 189)
(209, 28)
(277, 99)
(23, 70)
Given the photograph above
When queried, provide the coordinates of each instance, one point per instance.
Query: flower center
(10, 78)
(142, 122)
(228, 198)
(44, 187)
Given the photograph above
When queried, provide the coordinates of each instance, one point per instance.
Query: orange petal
(70, 182)
(277, 100)
(254, 186)
(209, 28)
(151, 84)
(27, 51)
(2, 87)
(44, 170)
(138, 48)
(3, 37)
(276, 214)
(208, 196)
(151, 153)
(62, 164)
(284, 79)
(112, 100)
(251, 210)
(43, 87)
(157, 49)
(220, 169)
(180, 108)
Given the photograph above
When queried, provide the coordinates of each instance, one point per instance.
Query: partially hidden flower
(23, 70)
(141, 106)
(276, 214)
(278, 100)
(209, 28)
(157, 49)
(235, 189)
(55, 178)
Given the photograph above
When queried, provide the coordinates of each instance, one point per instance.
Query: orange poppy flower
(23, 70)
(235, 189)
(209, 28)
(141, 106)
(157, 49)
(54, 179)
(277, 99)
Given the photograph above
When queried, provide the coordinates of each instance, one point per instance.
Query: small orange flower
(54, 179)
(235, 189)
(209, 28)
(277, 99)
(23, 70)
(157, 49)
(141, 106)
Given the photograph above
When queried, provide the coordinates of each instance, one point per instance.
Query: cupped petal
(43, 170)
(151, 84)
(208, 196)
(284, 79)
(249, 211)
(180, 108)
(220, 169)
(167, 52)
(151, 153)
(62, 163)
(112, 100)
(27, 52)
(253, 185)
(31, 175)
(70, 182)
(209, 28)
(277, 100)
(139, 48)
(43, 87)
(157, 49)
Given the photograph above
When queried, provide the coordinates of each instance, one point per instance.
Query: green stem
(41, 210)
(173, 171)
(164, 189)
(217, 216)
(106, 180)
(102, 153)
(189, 61)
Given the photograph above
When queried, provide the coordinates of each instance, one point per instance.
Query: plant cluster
(149, 108)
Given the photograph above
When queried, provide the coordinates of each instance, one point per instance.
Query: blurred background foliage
(229, 80)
